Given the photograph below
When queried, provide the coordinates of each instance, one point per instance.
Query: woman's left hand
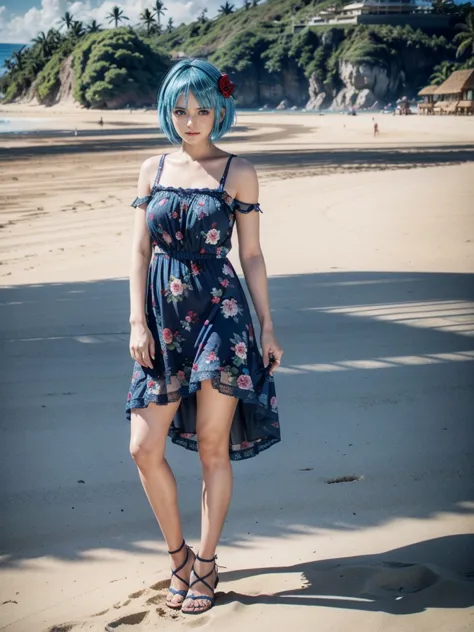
(272, 352)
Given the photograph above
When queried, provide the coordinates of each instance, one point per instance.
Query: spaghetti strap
(160, 170)
(226, 171)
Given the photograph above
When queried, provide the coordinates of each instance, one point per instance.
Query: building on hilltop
(416, 13)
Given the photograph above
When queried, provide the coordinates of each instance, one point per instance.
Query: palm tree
(116, 15)
(442, 72)
(226, 9)
(247, 4)
(203, 16)
(77, 29)
(170, 25)
(466, 38)
(93, 27)
(67, 20)
(43, 44)
(159, 10)
(19, 58)
(148, 19)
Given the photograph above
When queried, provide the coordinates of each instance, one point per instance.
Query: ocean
(6, 51)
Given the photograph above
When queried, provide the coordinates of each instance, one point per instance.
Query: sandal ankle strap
(201, 559)
(178, 550)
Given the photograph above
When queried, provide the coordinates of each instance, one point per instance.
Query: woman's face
(193, 123)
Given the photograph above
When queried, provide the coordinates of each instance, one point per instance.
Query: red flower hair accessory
(226, 87)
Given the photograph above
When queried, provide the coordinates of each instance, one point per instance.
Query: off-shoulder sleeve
(245, 207)
(138, 201)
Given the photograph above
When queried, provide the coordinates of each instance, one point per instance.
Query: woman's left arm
(252, 260)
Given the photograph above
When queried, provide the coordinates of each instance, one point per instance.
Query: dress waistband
(184, 255)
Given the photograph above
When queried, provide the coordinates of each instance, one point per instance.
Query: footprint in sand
(130, 619)
(400, 578)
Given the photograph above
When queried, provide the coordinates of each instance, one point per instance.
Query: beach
(363, 516)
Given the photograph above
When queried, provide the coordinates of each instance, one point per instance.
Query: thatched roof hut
(457, 83)
(428, 91)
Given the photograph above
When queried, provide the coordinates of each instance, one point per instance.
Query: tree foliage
(116, 63)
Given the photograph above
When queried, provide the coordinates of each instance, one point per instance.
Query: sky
(21, 20)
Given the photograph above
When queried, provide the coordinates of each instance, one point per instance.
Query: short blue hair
(201, 78)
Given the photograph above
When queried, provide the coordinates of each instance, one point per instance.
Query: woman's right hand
(142, 345)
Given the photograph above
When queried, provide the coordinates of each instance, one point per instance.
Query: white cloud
(22, 28)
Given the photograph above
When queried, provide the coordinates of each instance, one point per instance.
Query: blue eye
(179, 112)
(204, 112)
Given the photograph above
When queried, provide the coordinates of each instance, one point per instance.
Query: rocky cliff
(364, 85)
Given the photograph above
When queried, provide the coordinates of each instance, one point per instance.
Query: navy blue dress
(199, 317)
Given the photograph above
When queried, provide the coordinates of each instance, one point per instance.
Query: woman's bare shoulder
(244, 179)
(149, 168)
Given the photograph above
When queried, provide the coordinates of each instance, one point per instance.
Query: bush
(115, 63)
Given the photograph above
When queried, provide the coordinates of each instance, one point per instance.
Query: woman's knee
(213, 454)
(144, 454)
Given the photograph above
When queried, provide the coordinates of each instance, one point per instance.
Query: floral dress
(199, 317)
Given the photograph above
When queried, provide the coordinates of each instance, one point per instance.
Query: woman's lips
(192, 133)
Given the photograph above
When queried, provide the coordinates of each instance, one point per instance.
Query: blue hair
(201, 78)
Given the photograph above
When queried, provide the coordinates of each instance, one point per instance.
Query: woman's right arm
(142, 345)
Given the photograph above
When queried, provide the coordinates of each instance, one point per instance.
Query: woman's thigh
(215, 412)
(149, 427)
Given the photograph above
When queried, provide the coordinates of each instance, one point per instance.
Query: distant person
(199, 376)
(376, 128)
(101, 121)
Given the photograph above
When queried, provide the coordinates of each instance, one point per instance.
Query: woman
(198, 375)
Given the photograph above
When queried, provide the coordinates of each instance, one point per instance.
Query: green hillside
(257, 45)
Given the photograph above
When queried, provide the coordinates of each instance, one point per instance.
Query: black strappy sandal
(174, 591)
(212, 600)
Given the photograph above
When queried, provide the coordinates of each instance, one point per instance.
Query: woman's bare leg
(149, 429)
(214, 419)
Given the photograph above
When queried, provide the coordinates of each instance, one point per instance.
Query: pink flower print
(180, 375)
(167, 336)
(150, 383)
(195, 269)
(215, 299)
(212, 236)
(212, 357)
(245, 444)
(230, 307)
(244, 382)
(162, 201)
(241, 350)
(129, 397)
(202, 251)
(195, 367)
(186, 435)
(184, 206)
(225, 282)
(201, 215)
(226, 269)
(206, 322)
(201, 202)
(174, 215)
(179, 235)
(176, 287)
(166, 237)
(273, 402)
(151, 216)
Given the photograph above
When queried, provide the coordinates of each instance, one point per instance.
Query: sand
(369, 244)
